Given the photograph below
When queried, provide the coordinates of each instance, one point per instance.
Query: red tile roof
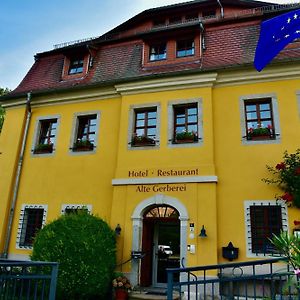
(227, 44)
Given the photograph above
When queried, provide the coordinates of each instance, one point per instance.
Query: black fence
(22, 280)
(261, 279)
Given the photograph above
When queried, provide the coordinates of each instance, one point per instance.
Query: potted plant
(43, 148)
(142, 140)
(121, 286)
(259, 133)
(287, 178)
(83, 145)
(186, 137)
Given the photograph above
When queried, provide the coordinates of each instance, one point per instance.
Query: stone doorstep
(147, 295)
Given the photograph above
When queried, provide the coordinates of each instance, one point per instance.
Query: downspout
(222, 9)
(17, 179)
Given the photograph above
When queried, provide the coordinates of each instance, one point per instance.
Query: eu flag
(275, 34)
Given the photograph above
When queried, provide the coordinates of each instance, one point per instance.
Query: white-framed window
(74, 208)
(45, 135)
(32, 219)
(259, 119)
(84, 137)
(144, 126)
(185, 123)
(263, 219)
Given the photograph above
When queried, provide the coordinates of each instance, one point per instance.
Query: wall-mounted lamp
(118, 229)
(230, 252)
(203, 232)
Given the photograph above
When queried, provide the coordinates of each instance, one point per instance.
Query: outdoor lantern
(230, 252)
(118, 229)
(203, 232)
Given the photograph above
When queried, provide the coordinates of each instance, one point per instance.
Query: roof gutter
(7, 237)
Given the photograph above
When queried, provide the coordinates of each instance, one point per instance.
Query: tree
(85, 248)
(3, 91)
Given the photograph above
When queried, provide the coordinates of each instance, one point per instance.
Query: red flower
(297, 171)
(280, 166)
(296, 223)
(287, 197)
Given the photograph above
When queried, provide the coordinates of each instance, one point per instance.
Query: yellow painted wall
(87, 179)
(10, 142)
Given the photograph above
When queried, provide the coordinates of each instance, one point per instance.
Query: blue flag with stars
(275, 34)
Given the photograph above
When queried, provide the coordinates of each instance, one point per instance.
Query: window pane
(140, 132)
(151, 131)
(192, 111)
(140, 123)
(250, 107)
(180, 129)
(251, 115)
(266, 124)
(140, 116)
(180, 121)
(152, 114)
(192, 119)
(192, 128)
(152, 122)
(264, 106)
(265, 114)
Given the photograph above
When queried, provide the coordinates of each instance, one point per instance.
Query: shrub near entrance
(85, 248)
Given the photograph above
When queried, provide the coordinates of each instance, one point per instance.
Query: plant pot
(184, 141)
(83, 148)
(259, 137)
(121, 294)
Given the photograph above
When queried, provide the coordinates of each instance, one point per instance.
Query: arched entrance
(160, 244)
(158, 222)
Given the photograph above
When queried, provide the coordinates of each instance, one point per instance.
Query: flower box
(185, 137)
(140, 141)
(43, 148)
(260, 133)
(83, 145)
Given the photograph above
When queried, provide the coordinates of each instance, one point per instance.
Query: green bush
(85, 248)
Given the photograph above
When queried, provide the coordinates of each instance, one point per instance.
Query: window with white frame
(263, 219)
(145, 121)
(185, 122)
(32, 219)
(85, 130)
(45, 135)
(144, 124)
(75, 208)
(259, 119)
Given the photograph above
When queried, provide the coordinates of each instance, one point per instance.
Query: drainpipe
(222, 9)
(17, 179)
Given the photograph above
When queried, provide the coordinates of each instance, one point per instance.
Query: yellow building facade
(158, 193)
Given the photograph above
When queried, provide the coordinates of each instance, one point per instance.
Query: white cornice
(250, 76)
(160, 180)
(62, 98)
(166, 84)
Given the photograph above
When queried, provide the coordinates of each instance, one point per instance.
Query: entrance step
(153, 294)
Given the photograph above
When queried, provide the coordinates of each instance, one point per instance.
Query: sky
(32, 26)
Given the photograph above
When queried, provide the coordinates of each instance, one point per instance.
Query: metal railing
(260, 279)
(20, 280)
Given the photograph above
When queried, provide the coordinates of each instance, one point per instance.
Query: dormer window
(185, 48)
(158, 52)
(76, 66)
